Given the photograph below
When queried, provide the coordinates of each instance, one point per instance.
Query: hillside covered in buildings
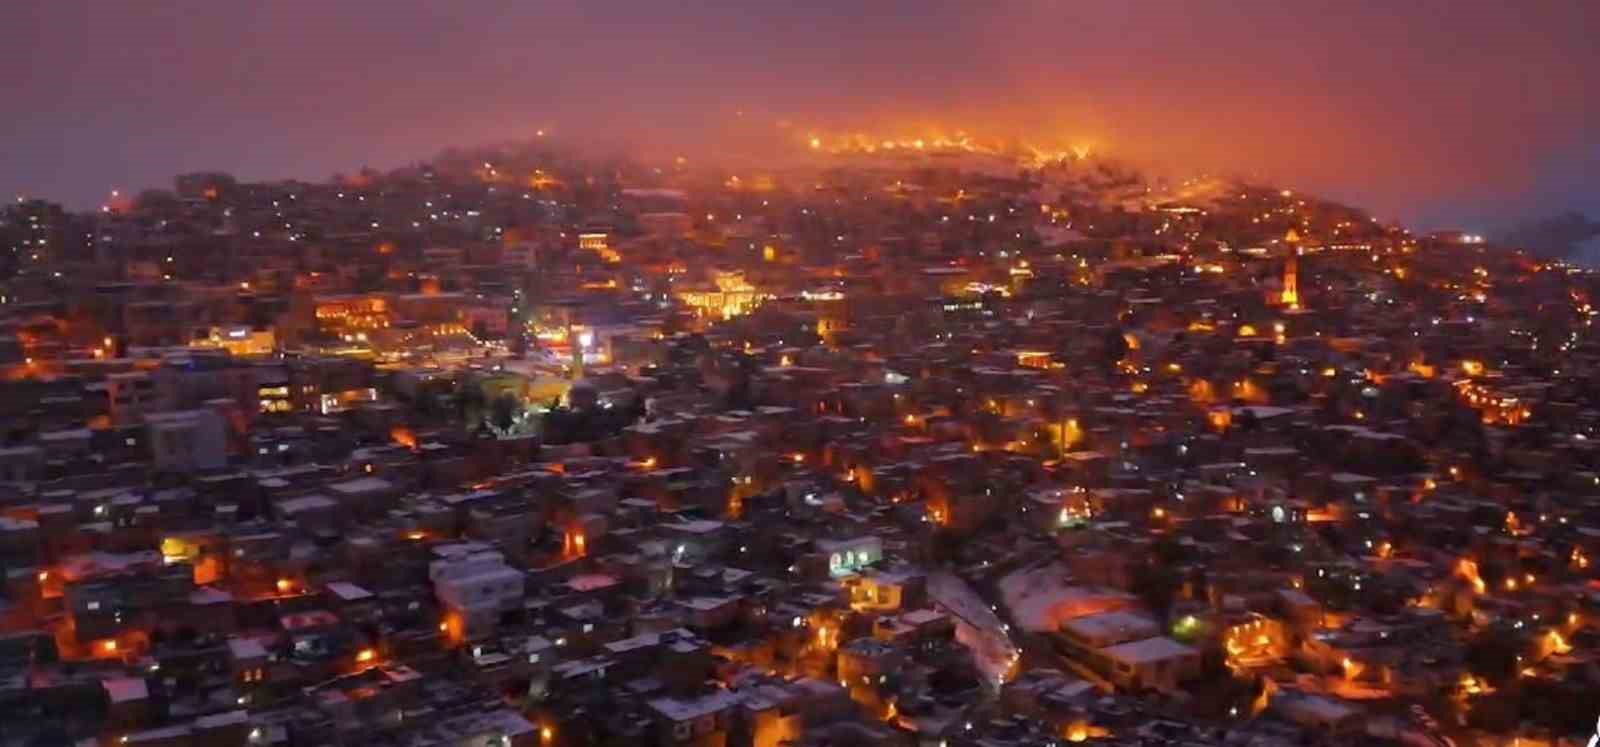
(901, 442)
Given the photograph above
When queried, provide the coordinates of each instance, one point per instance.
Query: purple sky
(1435, 111)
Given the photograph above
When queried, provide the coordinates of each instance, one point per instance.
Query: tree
(1156, 583)
(1493, 656)
(51, 735)
(503, 412)
(469, 402)
(1169, 551)
(158, 201)
(1116, 346)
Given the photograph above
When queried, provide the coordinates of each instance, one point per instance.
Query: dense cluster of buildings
(910, 445)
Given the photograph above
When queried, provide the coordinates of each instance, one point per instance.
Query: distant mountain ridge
(1569, 235)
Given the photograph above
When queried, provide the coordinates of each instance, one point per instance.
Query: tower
(1290, 295)
(575, 343)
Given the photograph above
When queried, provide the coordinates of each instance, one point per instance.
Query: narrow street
(977, 626)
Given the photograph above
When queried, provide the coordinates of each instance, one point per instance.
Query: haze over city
(1470, 114)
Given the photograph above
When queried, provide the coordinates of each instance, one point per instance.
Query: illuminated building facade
(731, 295)
(239, 340)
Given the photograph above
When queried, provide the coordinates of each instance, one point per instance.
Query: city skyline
(512, 374)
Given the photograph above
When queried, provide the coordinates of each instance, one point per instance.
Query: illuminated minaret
(1290, 296)
(575, 343)
(1291, 285)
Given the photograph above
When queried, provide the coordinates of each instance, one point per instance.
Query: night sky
(1463, 112)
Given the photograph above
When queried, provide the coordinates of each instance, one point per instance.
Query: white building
(473, 582)
(1152, 663)
(847, 556)
(187, 440)
(1109, 629)
(1128, 648)
(130, 394)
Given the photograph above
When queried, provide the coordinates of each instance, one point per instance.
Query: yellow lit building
(1258, 641)
(346, 314)
(239, 340)
(599, 243)
(730, 296)
(1041, 359)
